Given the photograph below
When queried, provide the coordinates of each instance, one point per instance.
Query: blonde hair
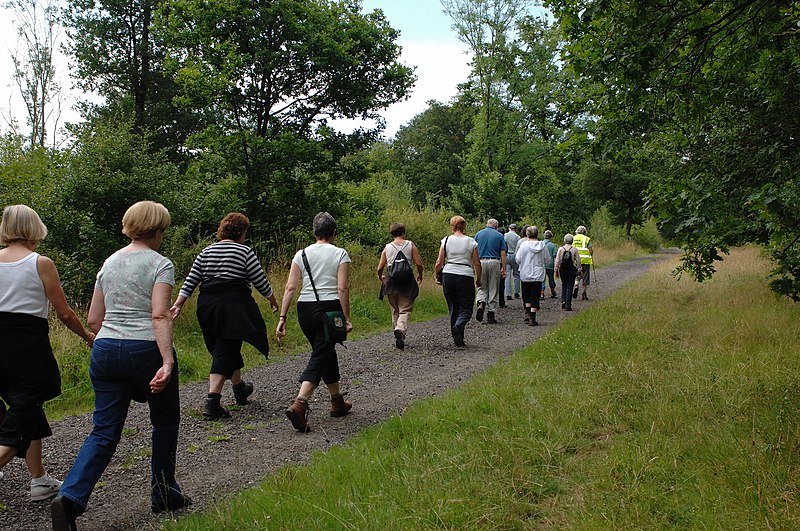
(143, 219)
(458, 223)
(21, 223)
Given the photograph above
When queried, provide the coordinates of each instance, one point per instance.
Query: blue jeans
(121, 371)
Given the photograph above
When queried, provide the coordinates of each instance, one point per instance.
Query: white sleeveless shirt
(21, 289)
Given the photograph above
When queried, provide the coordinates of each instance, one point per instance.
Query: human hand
(348, 326)
(419, 278)
(162, 378)
(175, 311)
(280, 330)
(91, 337)
(275, 307)
(503, 274)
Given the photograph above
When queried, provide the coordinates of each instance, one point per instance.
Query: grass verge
(670, 404)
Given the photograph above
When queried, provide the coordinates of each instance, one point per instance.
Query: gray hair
(532, 232)
(548, 235)
(568, 238)
(324, 226)
(581, 229)
(492, 223)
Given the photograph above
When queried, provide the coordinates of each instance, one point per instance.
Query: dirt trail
(216, 459)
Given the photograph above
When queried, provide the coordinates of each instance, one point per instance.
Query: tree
(273, 74)
(430, 149)
(715, 85)
(34, 68)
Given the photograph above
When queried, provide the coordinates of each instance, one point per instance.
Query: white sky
(426, 37)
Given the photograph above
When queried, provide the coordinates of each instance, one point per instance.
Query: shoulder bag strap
(310, 278)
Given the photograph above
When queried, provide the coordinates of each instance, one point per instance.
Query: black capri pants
(324, 363)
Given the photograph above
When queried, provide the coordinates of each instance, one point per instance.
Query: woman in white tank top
(28, 370)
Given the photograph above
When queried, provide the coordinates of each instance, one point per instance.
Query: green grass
(669, 405)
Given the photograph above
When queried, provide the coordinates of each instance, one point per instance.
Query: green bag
(335, 327)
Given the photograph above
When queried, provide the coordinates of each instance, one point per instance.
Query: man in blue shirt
(492, 252)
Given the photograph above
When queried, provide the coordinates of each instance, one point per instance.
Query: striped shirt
(226, 260)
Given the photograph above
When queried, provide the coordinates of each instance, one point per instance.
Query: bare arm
(476, 265)
(439, 261)
(415, 256)
(503, 258)
(97, 311)
(288, 293)
(381, 265)
(55, 294)
(162, 329)
(344, 293)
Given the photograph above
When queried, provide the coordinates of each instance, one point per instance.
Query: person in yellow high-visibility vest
(583, 244)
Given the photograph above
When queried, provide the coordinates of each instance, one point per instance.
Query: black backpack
(400, 270)
(567, 265)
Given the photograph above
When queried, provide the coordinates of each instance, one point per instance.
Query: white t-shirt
(324, 260)
(458, 255)
(126, 280)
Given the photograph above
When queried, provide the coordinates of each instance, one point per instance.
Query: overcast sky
(426, 37)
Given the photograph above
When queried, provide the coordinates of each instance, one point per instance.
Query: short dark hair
(324, 226)
(397, 229)
(233, 226)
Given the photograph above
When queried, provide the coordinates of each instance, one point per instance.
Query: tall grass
(669, 405)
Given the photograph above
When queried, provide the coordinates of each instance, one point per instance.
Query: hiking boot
(339, 406)
(241, 391)
(212, 410)
(508, 297)
(298, 414)
(516, 295)
(178, 502)
(479, 313)
(458, 336)
(63, 513)
(575, 293)
(563, 305)
(490, 318)
(44, 488)
(399, 339)
(584, 296)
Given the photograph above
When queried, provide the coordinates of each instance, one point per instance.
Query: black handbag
(334, 324)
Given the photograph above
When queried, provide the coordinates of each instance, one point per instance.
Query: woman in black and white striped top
(226, 310)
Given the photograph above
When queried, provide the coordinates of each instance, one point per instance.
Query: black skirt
(26, 354)
(226, 309)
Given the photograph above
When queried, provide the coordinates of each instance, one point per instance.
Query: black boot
(241, 391)
(212, 409)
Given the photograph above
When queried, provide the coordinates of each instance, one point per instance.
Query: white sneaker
(44, 488)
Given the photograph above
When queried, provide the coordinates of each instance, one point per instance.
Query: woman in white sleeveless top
(28, 370)
(400, 293)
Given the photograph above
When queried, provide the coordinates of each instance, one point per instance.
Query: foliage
(714, 85)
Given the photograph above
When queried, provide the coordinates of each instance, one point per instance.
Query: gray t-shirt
(126, 280)
(512, 239)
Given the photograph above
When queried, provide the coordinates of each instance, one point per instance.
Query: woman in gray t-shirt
(132, 359)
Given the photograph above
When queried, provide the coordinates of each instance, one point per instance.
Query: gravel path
(216, 459)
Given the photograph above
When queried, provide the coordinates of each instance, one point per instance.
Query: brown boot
(339, 406)
(298, 414)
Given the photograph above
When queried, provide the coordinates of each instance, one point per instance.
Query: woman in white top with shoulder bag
(323, 268)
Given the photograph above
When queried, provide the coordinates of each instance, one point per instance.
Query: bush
(647, 235)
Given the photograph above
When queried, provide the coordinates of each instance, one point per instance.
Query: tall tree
(274, 73)
(34, 67)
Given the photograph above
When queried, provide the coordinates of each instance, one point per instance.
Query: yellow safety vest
(581, 243)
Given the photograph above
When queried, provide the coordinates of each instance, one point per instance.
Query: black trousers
(324, 363)
(459, 292)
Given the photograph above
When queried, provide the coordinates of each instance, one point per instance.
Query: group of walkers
(130, 326)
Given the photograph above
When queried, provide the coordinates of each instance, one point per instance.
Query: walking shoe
(241, 391)
(458, 336)
(563, 305)
(178, 502)
(541, 298)
(339, 406)
(62, 514)
(2, 474)
(568, 309)
(479, 313)
(584, 297)
(575, 293)
(516, 295)
(298, 414)
(44, 488)
(508, 297)
(399, 339)
(212, 410)
(527, 320)
(490, 318)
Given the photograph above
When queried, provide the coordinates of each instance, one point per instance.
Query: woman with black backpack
(399, 284)
(568, 268)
